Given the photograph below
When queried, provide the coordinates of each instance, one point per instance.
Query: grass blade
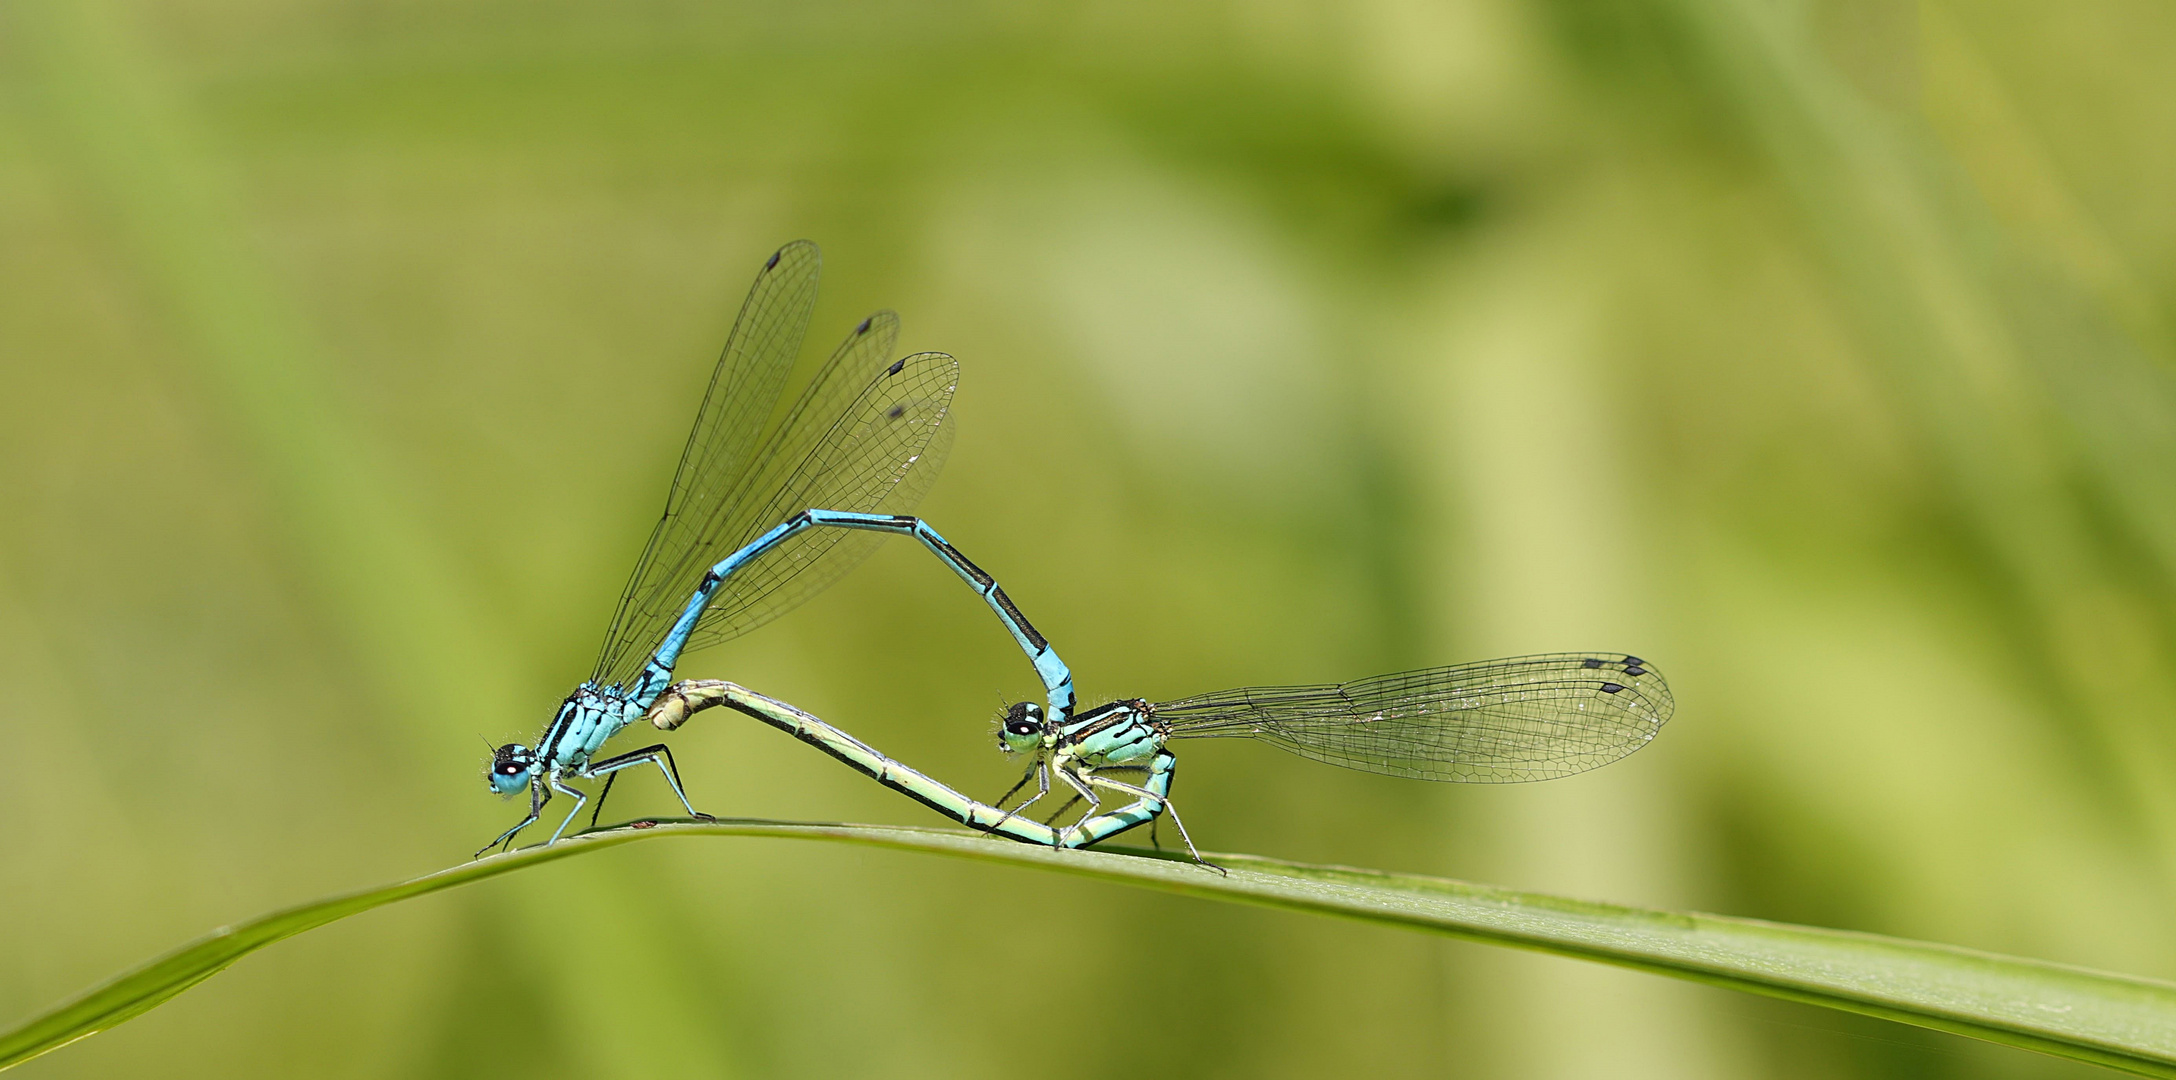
(2114, 1020)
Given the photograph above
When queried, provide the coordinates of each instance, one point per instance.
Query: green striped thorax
(1119, 733)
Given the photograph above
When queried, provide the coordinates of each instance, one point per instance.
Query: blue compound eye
(511, 767)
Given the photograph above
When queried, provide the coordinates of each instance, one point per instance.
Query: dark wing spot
(774, 260)
(895, 412)
(1634, 661)
(1611, 688)
(1634, 670)
(897, 367)
(1590, 662)
(863, 328)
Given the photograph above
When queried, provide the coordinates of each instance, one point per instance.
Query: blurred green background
(1818, 351)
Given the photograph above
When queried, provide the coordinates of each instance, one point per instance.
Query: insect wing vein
(1497, 721)
(743, 392)
(880, 457)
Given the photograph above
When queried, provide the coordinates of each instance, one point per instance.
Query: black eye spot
(1024, 720)
(1611, 688)
(897, 367)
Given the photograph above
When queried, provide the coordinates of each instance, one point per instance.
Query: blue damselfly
(754, 526)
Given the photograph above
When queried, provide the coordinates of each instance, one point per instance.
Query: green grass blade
(2115, 1020)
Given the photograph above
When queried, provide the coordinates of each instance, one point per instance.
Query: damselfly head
(512, 766)
(1021, 729)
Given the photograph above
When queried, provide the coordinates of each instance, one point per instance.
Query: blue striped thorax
(588, 717)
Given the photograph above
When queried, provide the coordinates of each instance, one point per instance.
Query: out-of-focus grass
(1819, 351)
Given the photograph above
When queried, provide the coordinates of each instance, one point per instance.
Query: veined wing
(720, 454)
(867, 436)
(880, 457)
(1497, 721)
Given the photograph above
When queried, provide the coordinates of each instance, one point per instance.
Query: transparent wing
(743, 392)
(812, 429)
(879, 458)
(867, 436)
(1498, 721)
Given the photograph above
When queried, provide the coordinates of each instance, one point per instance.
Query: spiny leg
(579, 799)
(610, 768)
(538, 796)
(1042, 781)
(1145, 771)
(1144, 793)
(1077, 783)
(1021, 783)
(601, 797)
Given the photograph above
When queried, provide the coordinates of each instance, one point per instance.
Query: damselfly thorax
(1113, 735)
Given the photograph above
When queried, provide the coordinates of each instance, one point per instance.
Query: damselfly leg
(1036, 772)
(537, 798)
(1144, 793)
(611, 767)
(556, 784)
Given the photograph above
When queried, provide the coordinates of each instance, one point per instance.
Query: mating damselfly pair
(755, 524)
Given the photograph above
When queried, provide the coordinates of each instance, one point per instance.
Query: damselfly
(1497, 721)
(795, 511)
